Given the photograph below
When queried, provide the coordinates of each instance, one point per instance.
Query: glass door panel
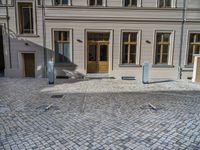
(103, 53)
(92, 53)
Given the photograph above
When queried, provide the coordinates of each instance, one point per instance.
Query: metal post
(145, 76)
(181, 43)
(44, 38)
(8, 30)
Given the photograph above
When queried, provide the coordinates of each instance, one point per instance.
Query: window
(162, 48)
(39, 2)
(96, 2)
(3, 2)
(61, 2)
(164, 3)
(25, 18)
(62, 46)
(129, 47)
(130, 3)
(194, 47)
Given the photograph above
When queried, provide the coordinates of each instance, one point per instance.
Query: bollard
(50, 72)
(145, 76)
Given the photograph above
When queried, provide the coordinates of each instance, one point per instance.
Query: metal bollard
(145, 76)
(50, 72)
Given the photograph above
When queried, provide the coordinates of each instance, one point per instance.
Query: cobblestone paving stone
(98, 115)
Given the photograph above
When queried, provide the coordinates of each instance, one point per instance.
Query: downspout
(8, 28)
(44, 38)
(181, 42)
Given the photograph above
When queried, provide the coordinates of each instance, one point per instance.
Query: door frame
(110, 47)
(22, 63)
(98, 44)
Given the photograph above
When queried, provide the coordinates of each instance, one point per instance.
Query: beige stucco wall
(79, 18)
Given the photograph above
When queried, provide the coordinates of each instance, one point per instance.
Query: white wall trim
(171, 48)
(34, 15)
(22, 64)
(71, 42)
(173, 3)
(195, 67)
(111, 31)
(138, 48)
(189, 32)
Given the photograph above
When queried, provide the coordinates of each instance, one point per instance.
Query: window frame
(104, 3)
(132, 6)
(33, 16)
(138, 47)
(170, 51)
(10, 3)
(69, 3)
(173, 4)
(188, 48)
(70, 44)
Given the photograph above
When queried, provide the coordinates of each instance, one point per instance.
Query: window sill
(162, 66)
(129, 65)
(27, 35)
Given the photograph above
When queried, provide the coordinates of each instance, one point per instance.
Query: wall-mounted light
(80, 41)
(147, 41)
(26, 44)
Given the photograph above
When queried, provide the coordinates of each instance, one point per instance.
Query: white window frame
(104, 4)
(10, 3)
(138, 48)
(69, 3)
(171, 47)
(70, 43)
(34, 17)
(173, 4)
(139, 4)
(189, 32)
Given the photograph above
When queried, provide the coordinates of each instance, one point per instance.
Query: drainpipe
(8, 28)
(44, 38)
(181, 43)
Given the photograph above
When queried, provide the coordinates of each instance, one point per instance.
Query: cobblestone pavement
(98, 115)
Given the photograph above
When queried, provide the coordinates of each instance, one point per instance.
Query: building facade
(112, 37)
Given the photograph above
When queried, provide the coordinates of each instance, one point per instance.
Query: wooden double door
(98, 57)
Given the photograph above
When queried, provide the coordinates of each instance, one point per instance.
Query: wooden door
(29, 65)
(92, 62)
(97, 57)
(198, 71)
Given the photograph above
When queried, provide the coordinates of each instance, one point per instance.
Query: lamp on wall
(80, 41)
(147, 41)
(27, 44)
